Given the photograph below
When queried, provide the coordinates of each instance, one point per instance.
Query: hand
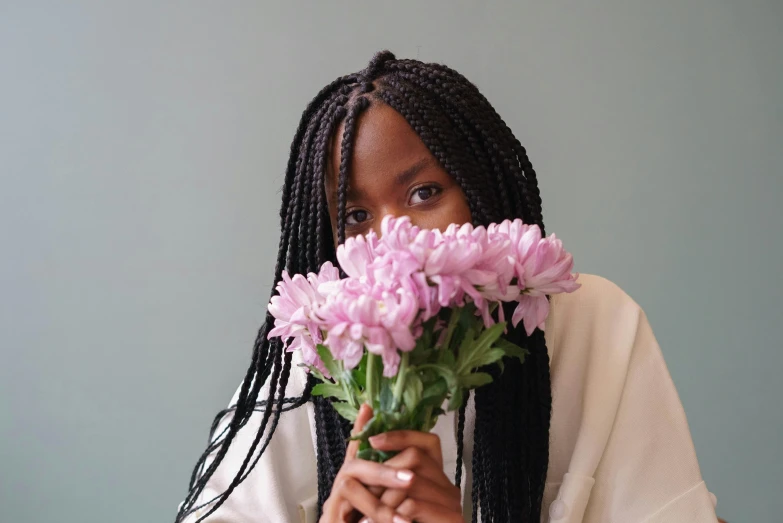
(430, 497)
(351, 498)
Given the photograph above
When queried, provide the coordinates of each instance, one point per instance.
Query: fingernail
(404, 475)
(400, 519)
(377, 439)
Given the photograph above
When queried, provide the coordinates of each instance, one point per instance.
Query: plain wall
(143, 145)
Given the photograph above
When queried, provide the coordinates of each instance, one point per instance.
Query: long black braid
(476, 147)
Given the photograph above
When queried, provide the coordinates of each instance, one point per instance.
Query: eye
(356, 217)
(423, 194)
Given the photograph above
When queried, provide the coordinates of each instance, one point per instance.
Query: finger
(351, 490)
(347, 512)
(421, 463)
(335, 509)
(424, 512)
(373, 474)
(425, 469)
(402, 439)
(393, 497)
(365, 414)
(424, 490)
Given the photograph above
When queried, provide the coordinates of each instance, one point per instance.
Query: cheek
(458, 206)
(463, 210)
(454, 209)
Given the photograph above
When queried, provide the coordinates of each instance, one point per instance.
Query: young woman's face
(392, 172)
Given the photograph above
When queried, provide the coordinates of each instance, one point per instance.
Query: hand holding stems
(410, 486)
(351, 498)
(430, 497)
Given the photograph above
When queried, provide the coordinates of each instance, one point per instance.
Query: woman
(589, 428)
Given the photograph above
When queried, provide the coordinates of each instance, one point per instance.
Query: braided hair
(476, 147)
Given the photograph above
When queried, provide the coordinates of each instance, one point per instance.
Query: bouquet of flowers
(418, 318)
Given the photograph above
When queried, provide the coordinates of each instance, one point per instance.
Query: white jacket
(620, 448)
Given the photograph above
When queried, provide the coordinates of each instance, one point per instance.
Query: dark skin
(393, 172)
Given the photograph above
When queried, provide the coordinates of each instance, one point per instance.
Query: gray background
(142, 146)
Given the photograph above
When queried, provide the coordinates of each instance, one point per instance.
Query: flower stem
(399, 385)
(371, 390)
(427, 420)
(347, 388)
(453, 320)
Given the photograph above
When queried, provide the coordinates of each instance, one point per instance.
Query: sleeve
(648, 471)
(281, 485)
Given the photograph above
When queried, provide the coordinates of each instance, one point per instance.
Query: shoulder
(592, 332)
(599, 309)
(595, 297)
(615, 412)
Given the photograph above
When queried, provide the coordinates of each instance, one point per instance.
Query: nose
(388, 211)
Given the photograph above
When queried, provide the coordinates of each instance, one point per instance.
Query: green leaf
(489, 336)
(489, 357)
(477, 379)
(444, 371)
(421, 355)
(347, 380)
(412, 393)
(330, 390)
(326, 357)
(436, 389)
(448, 357)
(479, 353)
(466, 348)
(345, 410)
(455, 401)
(512, 350)
(313, 370)
(467, 317)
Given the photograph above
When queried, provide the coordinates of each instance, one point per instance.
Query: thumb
(365, 415)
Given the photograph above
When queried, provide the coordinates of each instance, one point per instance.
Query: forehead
(384, 144)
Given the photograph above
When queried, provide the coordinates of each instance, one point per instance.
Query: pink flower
(397, 233)
(357, 253)
(358, 315)
(293, 309)
(392, 269)
(532, 310)
(547, 268)
(542, 267)
(493, 273)
(426, 295)
(497, 257)
(467, 265)
(405, 277)
(291, 306)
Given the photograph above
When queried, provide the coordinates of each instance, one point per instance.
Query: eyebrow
(404, 177)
